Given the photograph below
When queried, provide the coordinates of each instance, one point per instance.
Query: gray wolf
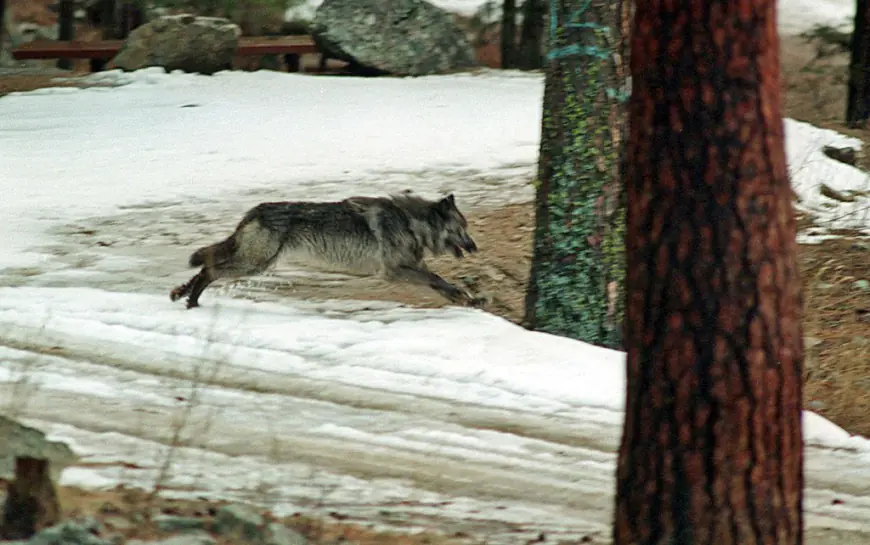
(366, 236)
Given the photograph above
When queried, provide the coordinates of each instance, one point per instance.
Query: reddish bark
(712, 449)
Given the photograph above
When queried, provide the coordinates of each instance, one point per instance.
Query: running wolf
(366, 236)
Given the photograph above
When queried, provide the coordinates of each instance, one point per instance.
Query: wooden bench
(99, 53)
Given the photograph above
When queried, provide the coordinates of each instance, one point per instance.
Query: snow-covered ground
(443, 419)
(796, 16)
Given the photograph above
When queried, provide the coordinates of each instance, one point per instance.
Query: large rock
(401, 37)
(181, 42)
(19, 440)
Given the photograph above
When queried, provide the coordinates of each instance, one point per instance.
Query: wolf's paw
(471, 301)
(175, 294)
(192, 304)
(477, 302)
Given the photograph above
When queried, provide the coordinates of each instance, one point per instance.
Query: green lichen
(578, 269)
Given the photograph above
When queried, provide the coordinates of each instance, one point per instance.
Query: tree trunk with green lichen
(711, 452)
(575, 288)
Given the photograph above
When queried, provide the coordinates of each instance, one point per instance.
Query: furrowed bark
(712, 450)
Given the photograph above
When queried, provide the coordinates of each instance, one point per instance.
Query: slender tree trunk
(2, 25)
(531, 35)
(577, 265)
(31, 501)
(65, 28)
(509, 34)
(858, 100)
(712, 449)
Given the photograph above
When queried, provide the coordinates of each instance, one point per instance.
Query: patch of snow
(453, 414)
(305, 9)
(809, 168)
(185, 138)
(398, 350)
(796, 16)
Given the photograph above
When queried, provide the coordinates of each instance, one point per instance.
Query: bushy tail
(216, 253)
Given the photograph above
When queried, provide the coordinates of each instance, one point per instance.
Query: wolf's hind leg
(193, 288)
(447, 290)
(183, 289)
(233, 268)
(197, 285)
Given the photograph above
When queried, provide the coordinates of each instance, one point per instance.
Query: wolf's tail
(216, 253)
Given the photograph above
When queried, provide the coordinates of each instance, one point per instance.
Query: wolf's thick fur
(384, 236)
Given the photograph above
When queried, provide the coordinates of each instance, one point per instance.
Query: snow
(177, 137)
(809, 168)
(796, 16)
(305, 9)
(448, 416)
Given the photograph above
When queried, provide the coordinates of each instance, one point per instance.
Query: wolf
(365, 236)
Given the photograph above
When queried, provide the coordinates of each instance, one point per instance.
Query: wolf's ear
(449, 200)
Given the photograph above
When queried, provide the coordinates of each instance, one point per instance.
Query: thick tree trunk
(509, 34)
(531, 35)
(858, 99)
(712, 449)
(577, 266)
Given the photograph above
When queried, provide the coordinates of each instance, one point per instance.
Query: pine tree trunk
(577, 265)
(65, 28)
(858, 99)
(712, 449)
(531, 35)
(2, 25)
(508, 34)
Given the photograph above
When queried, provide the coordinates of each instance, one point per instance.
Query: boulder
(20, 440)
(400, 37)
(181, 42)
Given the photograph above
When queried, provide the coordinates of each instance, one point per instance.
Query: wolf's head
(452, 234)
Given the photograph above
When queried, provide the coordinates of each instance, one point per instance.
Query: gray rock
(171, 523)
(401, 37)
(71, 532)
(239, 520)
(20, 440)
(181, 42)
(278, 534)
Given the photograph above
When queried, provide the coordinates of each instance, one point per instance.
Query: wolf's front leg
(446, 289)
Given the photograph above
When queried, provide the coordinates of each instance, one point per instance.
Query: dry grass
(837, 321)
